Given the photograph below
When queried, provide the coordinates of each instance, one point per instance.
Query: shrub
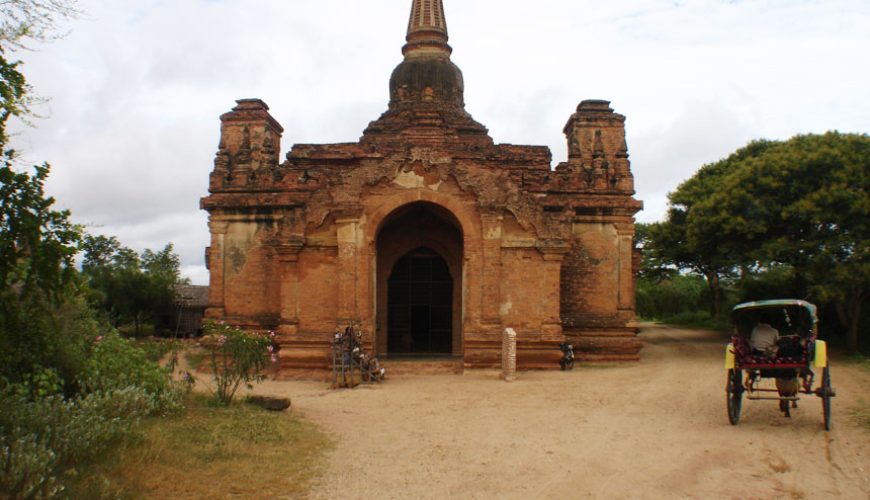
(41, 438)
(27, 467)
(39, 383)
(156, 349)
(43, 433)
(115, 363)
(36, 338)
(237, 357)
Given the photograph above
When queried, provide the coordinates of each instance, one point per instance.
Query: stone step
(422, 366)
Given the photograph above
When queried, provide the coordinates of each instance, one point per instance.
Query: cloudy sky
(137, 86)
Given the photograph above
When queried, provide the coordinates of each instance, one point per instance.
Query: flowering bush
(237, 357)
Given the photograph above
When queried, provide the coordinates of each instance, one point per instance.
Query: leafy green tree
(804, 203)
(37, 247)
(672, 243)
(801, 207)
(13, 96)
(49, 340)
(770, 282)
(684, 239)
(40, 319)
(654, 268)
(129, 287)
(37, 242)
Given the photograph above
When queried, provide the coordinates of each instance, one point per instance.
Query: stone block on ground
(270, 403)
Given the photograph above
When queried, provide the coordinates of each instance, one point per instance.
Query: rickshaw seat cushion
(745, 355)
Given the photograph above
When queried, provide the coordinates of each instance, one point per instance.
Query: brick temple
(425, 232)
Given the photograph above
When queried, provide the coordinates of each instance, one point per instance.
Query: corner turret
(249, 145)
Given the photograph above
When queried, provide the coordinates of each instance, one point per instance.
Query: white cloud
(137, 88)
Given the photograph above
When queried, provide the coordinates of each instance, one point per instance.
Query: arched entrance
(419, 282)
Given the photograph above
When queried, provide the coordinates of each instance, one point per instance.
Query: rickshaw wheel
(734, 394)
(827, 392)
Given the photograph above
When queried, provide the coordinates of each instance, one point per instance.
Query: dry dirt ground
(657, 429)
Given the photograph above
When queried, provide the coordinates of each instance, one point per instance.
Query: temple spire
(427, 30)
(427, 15)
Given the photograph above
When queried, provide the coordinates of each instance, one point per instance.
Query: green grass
(155, 349)
(212, 452)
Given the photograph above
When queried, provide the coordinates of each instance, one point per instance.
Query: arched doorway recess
(419, 282)
(420, 305)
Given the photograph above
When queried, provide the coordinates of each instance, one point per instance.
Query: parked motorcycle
(567, 361)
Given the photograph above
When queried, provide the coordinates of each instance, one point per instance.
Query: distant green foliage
(128, 287)
(669, 297)
(698, 319)
(679, 300)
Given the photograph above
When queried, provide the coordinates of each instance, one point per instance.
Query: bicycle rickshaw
(787, 357)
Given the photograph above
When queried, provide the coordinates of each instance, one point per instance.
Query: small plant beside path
(237, 357)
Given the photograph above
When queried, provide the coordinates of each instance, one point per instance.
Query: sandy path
(657, 429)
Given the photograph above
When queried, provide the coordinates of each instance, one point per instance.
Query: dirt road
(657, 429)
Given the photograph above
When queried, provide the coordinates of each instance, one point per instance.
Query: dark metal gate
(420, 305)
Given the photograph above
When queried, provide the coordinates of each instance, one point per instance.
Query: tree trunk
(854, 321)
(849, 314)
(801, 286)
(716, 293)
